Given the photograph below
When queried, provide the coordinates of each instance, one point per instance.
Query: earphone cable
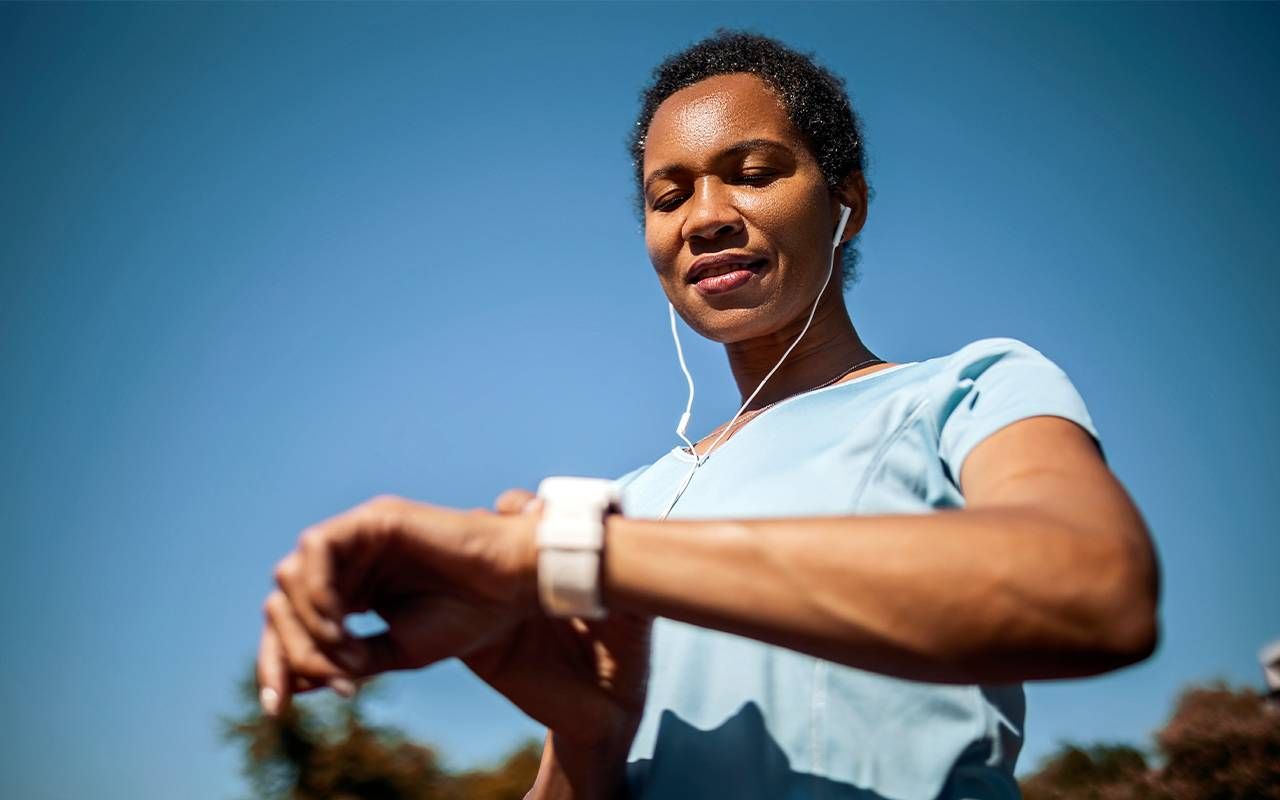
(688, 406)
(698, 461)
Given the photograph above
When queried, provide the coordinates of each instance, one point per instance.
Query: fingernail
(343, 686)
(270, 700)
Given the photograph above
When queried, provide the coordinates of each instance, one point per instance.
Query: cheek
(651, 245)
(804, 234)
(663, 252)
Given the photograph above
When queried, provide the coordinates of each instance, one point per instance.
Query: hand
(585, 680)
(444, 581)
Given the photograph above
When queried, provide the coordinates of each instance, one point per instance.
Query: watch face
(573, 512)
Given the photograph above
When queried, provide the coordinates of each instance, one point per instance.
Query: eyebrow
(735, 149)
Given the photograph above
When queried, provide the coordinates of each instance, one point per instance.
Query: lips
(723, 264)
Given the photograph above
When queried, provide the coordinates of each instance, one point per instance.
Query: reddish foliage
(1220, 744)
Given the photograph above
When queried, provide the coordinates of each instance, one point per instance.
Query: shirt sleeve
(992, 383)
(627, 478)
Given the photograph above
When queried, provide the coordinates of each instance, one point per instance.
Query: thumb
(513, 501)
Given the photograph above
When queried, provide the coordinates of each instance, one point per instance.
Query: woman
(820, 631)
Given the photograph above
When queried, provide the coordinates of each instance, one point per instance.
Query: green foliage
(323, 748)
(1220, 744)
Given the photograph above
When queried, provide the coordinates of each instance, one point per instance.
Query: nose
(712, 213)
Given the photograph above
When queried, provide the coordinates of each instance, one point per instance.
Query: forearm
(991, 595)
(570, 772)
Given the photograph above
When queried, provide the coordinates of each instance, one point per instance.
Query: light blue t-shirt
(732, 717)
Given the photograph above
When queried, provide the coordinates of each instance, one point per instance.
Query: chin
(734, 323)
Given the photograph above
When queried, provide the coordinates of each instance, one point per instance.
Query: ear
(853, 193)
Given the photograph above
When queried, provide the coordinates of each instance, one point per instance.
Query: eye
(668, 202)
(757, 177)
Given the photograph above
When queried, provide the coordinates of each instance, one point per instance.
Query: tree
(1097, 772)
(510, 780)
(1220, 744)
(323, 748)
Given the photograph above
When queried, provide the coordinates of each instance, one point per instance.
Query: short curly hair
(814, 97)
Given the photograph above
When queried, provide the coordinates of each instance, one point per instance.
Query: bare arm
(1048, 572)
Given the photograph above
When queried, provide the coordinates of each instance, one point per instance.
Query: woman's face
(738, 218)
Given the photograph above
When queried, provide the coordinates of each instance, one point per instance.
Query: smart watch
(570, 538)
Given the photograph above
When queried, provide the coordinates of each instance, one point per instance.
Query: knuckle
(385, 502)
(310, 537)
(384, 513)
(271, 605)
(284, 569)
(507, 499)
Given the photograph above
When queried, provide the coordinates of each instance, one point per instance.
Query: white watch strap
(570, 537)
(568, 583)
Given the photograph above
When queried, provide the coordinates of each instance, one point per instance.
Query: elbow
(1130, 624)
(1134, 635)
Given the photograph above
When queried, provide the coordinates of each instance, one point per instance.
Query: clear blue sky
(261, 262)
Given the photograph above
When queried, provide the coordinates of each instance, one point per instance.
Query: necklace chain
(752, 414)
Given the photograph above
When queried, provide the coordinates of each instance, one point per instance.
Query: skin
(1068, 585)
(703, 194)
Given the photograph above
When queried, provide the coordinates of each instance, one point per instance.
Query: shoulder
(975, 357)
(628, 477)
(997, 360)
(991, 383)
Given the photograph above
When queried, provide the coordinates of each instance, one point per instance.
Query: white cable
(698, 461)
(683, 425)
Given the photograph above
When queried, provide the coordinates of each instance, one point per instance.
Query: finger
(343, 686)
(513, 501)
(276, 685)
(421, 632)
(355, 543)
(301, 653)
(327, 576)
(274, 680)
(305, 577)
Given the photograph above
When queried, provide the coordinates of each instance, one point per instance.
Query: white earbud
(683, 425)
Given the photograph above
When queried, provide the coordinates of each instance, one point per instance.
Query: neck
(830, 346)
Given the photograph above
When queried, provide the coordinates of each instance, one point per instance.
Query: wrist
(519, 534)
(608, 597)
(570, 542)
(580, 771)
